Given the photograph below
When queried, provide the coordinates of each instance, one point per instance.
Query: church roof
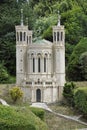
(42, 42)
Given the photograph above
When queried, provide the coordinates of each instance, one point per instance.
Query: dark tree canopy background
(42, 15)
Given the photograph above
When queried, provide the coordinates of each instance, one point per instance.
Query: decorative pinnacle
(59, 17)
(22, 17)
(27, 21)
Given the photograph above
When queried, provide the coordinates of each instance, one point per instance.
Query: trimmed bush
(16, 93)
(16, 118)
(68, 93)
(38, 112)
(80, 99)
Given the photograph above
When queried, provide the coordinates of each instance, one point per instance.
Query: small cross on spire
(22, 17)
(59, 17)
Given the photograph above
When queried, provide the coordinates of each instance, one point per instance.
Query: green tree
(83, 65)
(10, 16)
(43, 8)
(43, 26)
(16, 93)
(68, 51)
(4, 76)
(64, 6)
(83, 4)
(72, 22)
(47, 34)
(73, 68)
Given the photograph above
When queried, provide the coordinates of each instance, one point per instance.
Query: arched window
(32, 55)
(29, 39)
(39, 67)
(57, 36)
(17, 36)
(20, 36)
(44, 64)
(24, 36)
(33, 64)
(61, 36)
(54, 36)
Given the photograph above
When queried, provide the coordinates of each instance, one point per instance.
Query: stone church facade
(40, 65)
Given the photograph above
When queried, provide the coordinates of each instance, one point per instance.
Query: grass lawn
(63, 109)
(56, 123)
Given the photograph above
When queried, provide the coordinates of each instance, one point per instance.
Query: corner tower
(59, 54)
(23, 39)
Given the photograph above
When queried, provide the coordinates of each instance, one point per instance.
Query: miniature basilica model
(40, 65)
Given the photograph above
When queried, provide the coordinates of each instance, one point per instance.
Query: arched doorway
(38, 95)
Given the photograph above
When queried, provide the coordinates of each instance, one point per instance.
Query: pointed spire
(59, 17)
(22, 17)
(27, 21)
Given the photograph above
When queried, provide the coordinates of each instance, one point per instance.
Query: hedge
(15, 118)
(80, 99)
(68, 93)
(38, 112)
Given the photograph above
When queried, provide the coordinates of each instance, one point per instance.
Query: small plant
(16, 93)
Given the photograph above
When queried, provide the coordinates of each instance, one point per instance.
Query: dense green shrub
(68, 93)
(19, 119)
(83, 65)
(16, 93)
(74, 70)
(80, 99)
(38, 112)
(4, 76)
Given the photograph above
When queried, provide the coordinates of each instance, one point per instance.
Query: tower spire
(27, 21)
(59, 17)
(22, 17)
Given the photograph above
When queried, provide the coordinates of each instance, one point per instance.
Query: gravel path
(73, 118)
(3, 102)
(41, 105)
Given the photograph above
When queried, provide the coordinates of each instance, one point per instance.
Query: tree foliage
(74, 70)
(83, 65)
(4, 76)
(68, 51)
(9, 17)
(42, 15)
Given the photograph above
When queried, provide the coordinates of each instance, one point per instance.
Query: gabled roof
(42, 42)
